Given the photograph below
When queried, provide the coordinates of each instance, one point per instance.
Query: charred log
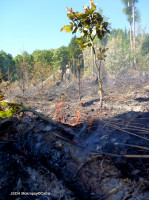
(88, 173)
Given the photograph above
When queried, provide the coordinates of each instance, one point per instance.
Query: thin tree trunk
(99, 80)
(133, 11)
(92, 61)
(134, 40)
(92, 56)
(130, 30)
(100, 85)
(130, 35)
(79, 81)
(131, 42)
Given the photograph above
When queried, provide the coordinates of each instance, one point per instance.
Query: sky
(28, 25)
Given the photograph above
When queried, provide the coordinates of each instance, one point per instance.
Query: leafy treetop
(90, 24)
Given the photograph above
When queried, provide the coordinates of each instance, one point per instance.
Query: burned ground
(107, 157)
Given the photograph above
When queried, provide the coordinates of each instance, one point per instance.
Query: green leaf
(85, 44)
(105, 24)
(99, 34)
(86, 27)
(67, 28)
(70, 16)
(91, 10)
(82, 16)
(3, 103)
(9, 113)
(97, 19)
(3, 114)
(104, 50)
(89, 23)
(79, 40)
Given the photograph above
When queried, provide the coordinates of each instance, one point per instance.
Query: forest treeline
(41, 63)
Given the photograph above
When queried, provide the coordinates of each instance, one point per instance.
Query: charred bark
(94, 176)
(60, 157)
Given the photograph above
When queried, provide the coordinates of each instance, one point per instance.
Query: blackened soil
(119, 129)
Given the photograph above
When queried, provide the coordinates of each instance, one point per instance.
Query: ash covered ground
(120, 128)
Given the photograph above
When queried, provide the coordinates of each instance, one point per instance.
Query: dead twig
(120, 156)
(134, 146)
(132, 127)
(123, 130)
(57, 124)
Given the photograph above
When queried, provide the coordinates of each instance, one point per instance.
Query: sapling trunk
(99, 79)
(79, 80)
(100, 85)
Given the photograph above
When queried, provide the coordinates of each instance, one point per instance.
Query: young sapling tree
(90, 24)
